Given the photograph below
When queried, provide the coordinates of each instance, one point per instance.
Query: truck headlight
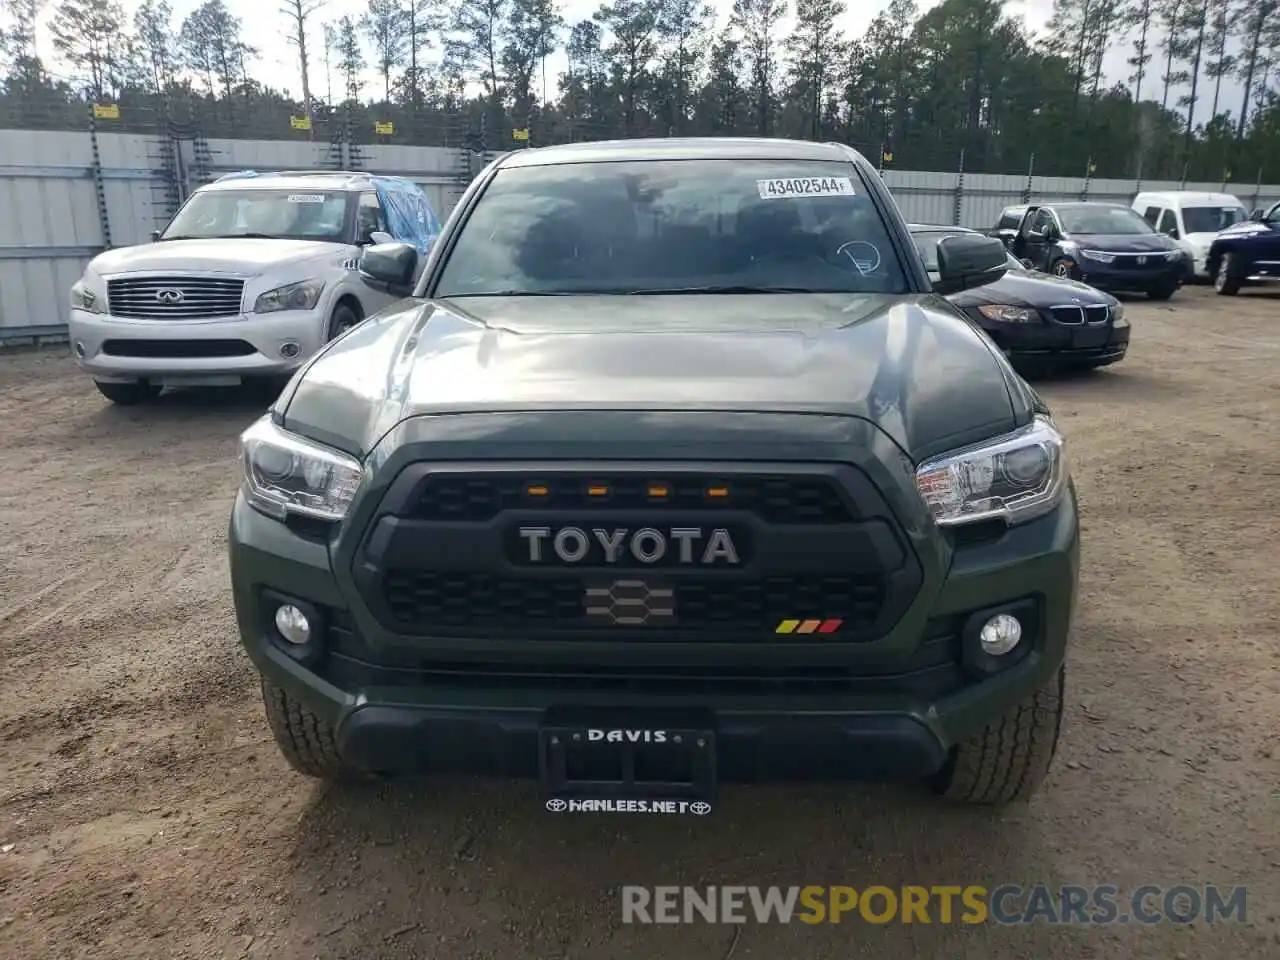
(285, 473)
(303, 295)
(1017, 477)
(1008, 314)
(83, 298)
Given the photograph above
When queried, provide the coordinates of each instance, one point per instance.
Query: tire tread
(1008, 760)
(305, 740)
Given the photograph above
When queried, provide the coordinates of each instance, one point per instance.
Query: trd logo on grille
(647, 545)
(631, 603)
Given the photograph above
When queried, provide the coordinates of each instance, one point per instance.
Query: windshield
(1211, 219)
(275, 213)
(1101, 219)
(694, 226)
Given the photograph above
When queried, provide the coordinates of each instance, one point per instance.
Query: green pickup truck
(673, 469)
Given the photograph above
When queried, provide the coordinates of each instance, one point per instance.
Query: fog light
(293, 626)
(79, 349)
(289, 350)
(999, 635)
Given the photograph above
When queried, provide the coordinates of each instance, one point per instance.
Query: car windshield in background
(281, 214)
(1101, 220)
(673, 226)
(1211, 219)
(927, 243)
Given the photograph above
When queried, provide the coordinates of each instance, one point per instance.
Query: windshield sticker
(793, 187)
(864, 255)
(306, 198)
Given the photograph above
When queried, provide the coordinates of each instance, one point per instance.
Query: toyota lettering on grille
(647, 545)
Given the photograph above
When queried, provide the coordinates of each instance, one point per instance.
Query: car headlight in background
(285, 473)
(1017, 477)
(302, 295)
(82, 298)
(1098, 255)
(1173, 255)
(1008, 314)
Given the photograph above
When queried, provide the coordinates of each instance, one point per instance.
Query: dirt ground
(144, 811)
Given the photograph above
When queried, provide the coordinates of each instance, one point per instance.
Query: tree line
(963, 83)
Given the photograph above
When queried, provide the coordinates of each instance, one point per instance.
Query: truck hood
(909, 364)
(231, 255)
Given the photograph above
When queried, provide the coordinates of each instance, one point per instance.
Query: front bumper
(786, 709)
(1109, 277)
(192, 352)
(1054, 343)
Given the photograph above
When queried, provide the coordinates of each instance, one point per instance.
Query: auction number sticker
(791, 187)
(306, 198)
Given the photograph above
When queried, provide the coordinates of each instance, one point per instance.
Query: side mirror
(389, 267)
(1257, 215)
(379, 236)
(155, 235)
(1026, 262)
(1172, 232)
(967, 261)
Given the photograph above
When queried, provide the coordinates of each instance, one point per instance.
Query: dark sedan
(1105, 245)
(1037, 319)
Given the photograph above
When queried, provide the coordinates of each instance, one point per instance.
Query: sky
(276, 64)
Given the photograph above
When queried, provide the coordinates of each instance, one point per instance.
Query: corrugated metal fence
(66, 196)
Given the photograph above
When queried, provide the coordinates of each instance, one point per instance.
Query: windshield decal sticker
(306, 198)
(864, 255)
(792, 187)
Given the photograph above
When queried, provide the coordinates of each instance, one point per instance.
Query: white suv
(251, 277)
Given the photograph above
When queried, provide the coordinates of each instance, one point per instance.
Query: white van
(1192, 219)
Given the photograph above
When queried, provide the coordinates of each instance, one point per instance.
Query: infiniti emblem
(169, 295)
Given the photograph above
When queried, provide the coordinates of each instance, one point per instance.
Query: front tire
(1010, 758)
(1230, 276)
(129, 394)
(343, 319)
(305, 740)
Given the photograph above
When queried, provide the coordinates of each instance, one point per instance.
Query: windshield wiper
(224, 236)
(726, 288)
(517, 293)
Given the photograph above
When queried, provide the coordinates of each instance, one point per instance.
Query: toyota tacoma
(674, 469)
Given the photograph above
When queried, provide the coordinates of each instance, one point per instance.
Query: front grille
(775, 499)
(1074, 315)
(185, 349)
(174, 298)
(421, 601)
(1140, 261)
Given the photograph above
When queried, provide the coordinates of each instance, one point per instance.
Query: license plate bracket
(577, 763)
(1089, 338)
